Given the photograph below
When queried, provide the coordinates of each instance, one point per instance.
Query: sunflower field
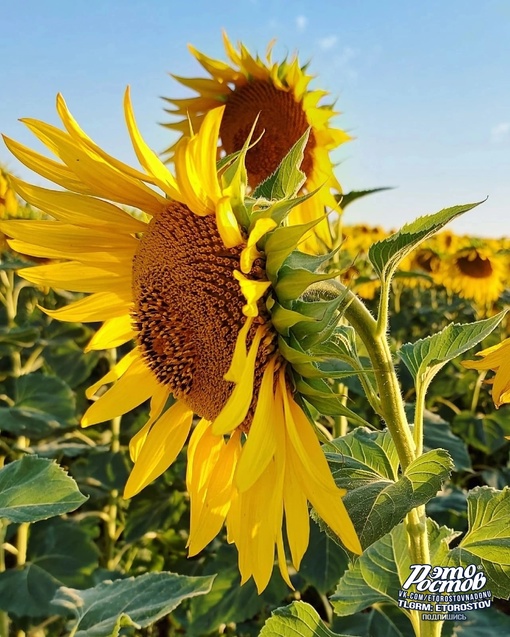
(225, 409)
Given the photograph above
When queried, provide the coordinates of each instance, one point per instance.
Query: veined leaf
(288, 178)
(385, 255)
(432, 352)
(379, 572)
(137, 601)
(299, 619)
(376, 500)
(33, 489)
(487, 542)
(347, 198)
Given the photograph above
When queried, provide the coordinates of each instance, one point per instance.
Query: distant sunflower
(205, 288)
(278, 95)
(496, 358)
(475, 273)
(8, 200)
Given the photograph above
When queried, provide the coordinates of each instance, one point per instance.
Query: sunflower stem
(4, 617)
(373, 335)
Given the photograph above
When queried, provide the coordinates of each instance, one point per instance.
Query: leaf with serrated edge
(287, 179)
(33, 489)
(436, 350)
(385, 255)
(299, 619)
(379, 572)
(376, 502)
(487, 542)
(135, 601)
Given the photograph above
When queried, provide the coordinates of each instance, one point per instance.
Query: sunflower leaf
(347, 198)
(377, 575)
(33, 489)
(288, 178)
(433, 352)
(378, 498)
(299, 619)
(487, 541)
(385, 255)
(136, 601)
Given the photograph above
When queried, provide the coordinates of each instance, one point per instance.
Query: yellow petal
(115, 372)
(260, 445)
(134, 387)
(113, 333)
(79, 209)
(147, 157)
(158, 402)
(77, 277)
(235, 371)
(236, 407)
(96, 307)
(252, 291)
(84, 140)
(162, 445)
(227, 225)
(250, 253)
(217, 499)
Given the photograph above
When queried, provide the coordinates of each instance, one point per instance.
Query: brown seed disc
(188, 308)
(282, 120)
(477, 268)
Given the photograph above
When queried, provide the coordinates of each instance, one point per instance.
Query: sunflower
(205, 283)
(496, 358)
(8, 200)
(474, 272)
(277, 96)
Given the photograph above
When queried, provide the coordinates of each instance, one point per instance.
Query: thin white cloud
(328, 42)
(301, 22)
(500, 132)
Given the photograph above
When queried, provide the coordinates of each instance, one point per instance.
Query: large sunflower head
(474, 272)
(209, 286)
(276, 96)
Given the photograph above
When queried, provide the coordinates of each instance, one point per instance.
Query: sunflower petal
(161, 447)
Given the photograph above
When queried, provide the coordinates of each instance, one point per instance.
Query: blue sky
(423, 87)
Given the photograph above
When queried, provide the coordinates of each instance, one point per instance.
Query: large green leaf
(64, 550)
(437, 434)
(488, 622)
(324, 561)
(228, 601)
(137, 601)
(33, 489)
(434, 351)
(484, 432)
(487, 542)
(377, 575)
(42, 404)
(385, 255)
(376, 498)
(296, 620)
(28, 591)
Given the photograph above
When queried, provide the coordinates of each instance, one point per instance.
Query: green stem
(112, 509)
(4, 617)
(419, 410)
(373, 335)
(392, 407)
(476, 390)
